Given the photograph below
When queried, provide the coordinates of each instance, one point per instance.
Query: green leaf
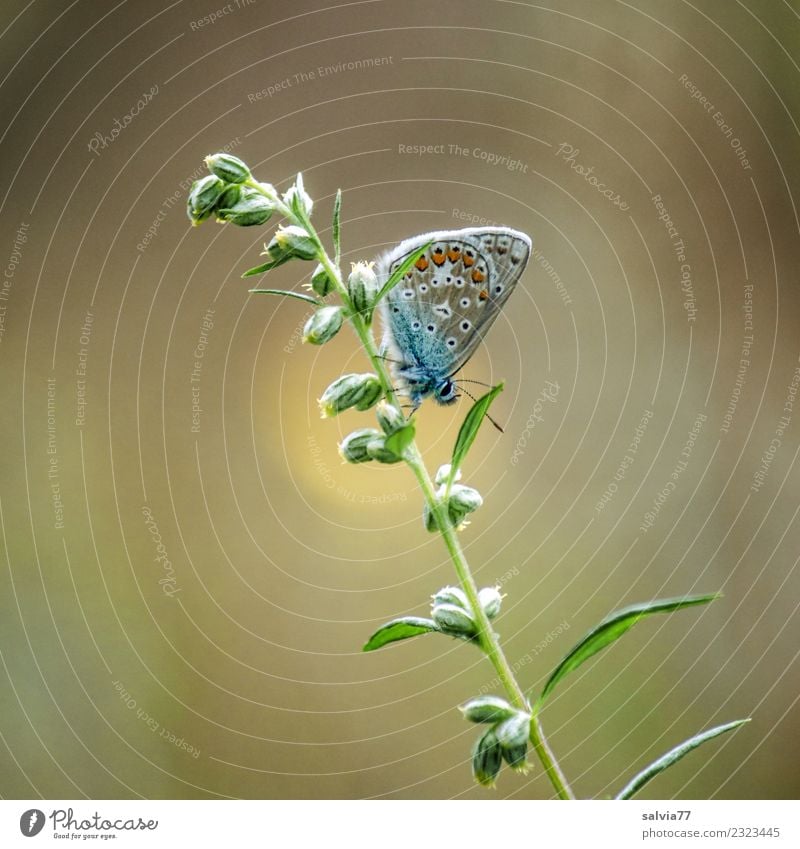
(337, 231)
(397, 275)
(611, 629)
(673, 756)
(267, 266)
(469, 430)
(288, 294)
(400, 439)
(399, 629)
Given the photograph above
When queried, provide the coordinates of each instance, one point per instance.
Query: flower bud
(487, 709)
(297, 199)
(444, 473)
(321, 282)
(244, 206)
(429, 520)
(514, 730)
(454, 620)
(486, 759)
(353, 447)
(463, 500)
(323, 325)
(372, 392)
(378, 451)
(451, 595)
(490, 599)
(229, 168)
(350, 390)
(389, 417)
(202, 198)
(362, 285)
(291, 242)
(512, 735)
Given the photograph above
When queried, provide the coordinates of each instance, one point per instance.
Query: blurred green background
(230, 667)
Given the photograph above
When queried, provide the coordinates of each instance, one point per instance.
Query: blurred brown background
(227, 662)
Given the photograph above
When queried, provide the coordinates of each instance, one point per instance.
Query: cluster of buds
(224, 193)
(368, 443)
(460, 501)
(451, 611)
(359, 391)
(505, 740)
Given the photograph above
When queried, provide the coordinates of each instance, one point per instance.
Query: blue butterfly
(436, 317)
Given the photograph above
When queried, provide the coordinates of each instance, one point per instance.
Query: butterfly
(437, 315)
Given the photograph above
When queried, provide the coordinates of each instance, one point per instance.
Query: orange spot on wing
(468, 260)
(421, 263)
(453, 254)
(483, 295)
(438, 256)
(478, 276)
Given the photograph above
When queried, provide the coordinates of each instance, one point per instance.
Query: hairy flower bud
(229, 168)
(362, 285)
(244, 206)
(463, 500)
(512, 736)
(203, 197)
(490, 599)
(297, 199)
(323, 325)
(389, 417)
(291, 242)
(378, 451)
(353, 448)
(451, 595)
(321, 282)
(454, 620)
(351, 390)
(444, 473)
(429, 519)
(486, 759)
(372, 392)
(487, 709)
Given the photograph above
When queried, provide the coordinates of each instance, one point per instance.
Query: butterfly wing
(438, 314)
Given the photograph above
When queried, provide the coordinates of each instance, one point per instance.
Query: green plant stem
(489, 641)
(550, 764)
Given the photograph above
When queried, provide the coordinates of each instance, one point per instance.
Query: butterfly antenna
(470, 395)
(480, 382)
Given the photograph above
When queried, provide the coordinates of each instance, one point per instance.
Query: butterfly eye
(465, 325)
(430, 328)
(408, 293)
(459, 281)
(464, 302)
(423, 287)
(498, 290)
(416, 325)
(451, 342)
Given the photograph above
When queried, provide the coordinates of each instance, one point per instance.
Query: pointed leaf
(673, 756)
(398, 441)
(337, 232)
(611, 629)
(399, 629)
(267, 266)
(298, 295)
(469, 430)
(397, 275)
